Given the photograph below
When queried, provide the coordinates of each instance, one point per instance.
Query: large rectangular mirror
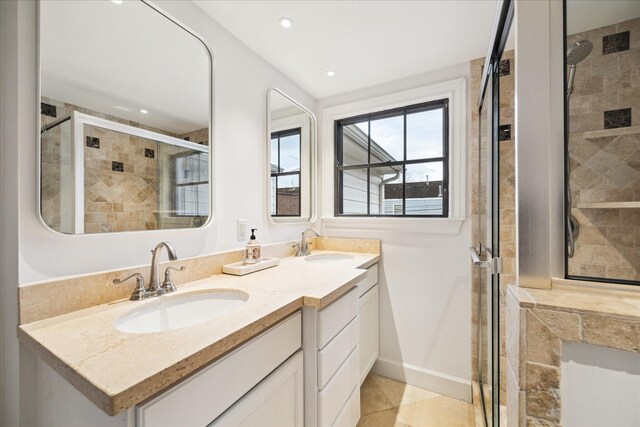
(603, 141)
(125, 129)
(291, 136)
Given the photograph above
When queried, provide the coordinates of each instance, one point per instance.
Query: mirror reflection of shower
(576, 54)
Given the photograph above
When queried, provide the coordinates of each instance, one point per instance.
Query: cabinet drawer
(368, 282)
(210, 392)
(331, 357)
(337, 391)
(350, 413)
(277, 401)
(334, 318)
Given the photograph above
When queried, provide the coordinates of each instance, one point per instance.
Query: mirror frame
(313, 164)
(154, 9)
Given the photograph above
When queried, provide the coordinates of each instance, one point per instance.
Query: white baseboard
(445, 384)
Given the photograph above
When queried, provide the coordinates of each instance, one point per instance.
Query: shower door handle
(493, 263)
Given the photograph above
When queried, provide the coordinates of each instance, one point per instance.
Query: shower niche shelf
(609, 205)
(593, 134)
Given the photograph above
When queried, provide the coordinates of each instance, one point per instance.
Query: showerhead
(578, 52)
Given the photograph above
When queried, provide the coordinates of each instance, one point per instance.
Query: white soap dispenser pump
(252, 251)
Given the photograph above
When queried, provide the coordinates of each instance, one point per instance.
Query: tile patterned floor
(388, 403)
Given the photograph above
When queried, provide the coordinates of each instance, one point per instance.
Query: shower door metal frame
(492, 75)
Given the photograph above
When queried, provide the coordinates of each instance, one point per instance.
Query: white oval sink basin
(328, 257)
(179, 311)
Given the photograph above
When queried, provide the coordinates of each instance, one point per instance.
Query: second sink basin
(180, 311)
(328, 257)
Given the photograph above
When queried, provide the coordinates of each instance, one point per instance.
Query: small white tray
(240, 268)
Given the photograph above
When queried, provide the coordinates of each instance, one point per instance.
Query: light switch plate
(242, 230)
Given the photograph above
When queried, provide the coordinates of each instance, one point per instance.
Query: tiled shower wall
(604, 149)
(121, 180)
(507, 206)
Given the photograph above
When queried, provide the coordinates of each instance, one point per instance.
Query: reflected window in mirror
(285, 172)
(124, 132)
(291, 137)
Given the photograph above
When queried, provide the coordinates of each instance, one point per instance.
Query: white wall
(30, 252)
(600, 386)
(425, 276)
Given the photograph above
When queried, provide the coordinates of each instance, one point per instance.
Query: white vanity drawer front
(350, 414)
(333, 397)
(331, 357)
(334, 318)
(368, 282)
(210, 392)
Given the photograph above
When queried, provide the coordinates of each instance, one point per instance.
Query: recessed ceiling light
(286, 22)
(117, 1)
(144, 111)
(331, 73)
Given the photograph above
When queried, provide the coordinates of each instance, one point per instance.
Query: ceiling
(587, 15)
(367, 43)
(119, 59)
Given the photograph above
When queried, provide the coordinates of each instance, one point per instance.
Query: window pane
(387, 139)
(386, 190)
(354, 144)
(274, 156)
(424, 135)
(354, 191)
(288, 195)
(290, 153)
(424, 189)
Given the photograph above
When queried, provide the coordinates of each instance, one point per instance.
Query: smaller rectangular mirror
(291, 138)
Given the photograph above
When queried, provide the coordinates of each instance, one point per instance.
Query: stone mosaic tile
(92, 142)
(48, 110)
(149, 153)
(504, 132)
(615, 43)
(617, 118)
(117, 166)
(504, 68)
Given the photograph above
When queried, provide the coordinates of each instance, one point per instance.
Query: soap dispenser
(252, 252)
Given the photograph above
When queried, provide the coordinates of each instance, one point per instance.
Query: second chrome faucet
(303, 246)
(155, 287)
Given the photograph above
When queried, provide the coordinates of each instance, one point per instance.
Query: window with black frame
(285, 172)
(191, 184)
(394, 162)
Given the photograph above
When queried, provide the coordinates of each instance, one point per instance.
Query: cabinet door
(369, 330)
(276, 402)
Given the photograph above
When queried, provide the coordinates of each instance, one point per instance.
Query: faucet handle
(140, 292)
(168, 284)
(298, 249)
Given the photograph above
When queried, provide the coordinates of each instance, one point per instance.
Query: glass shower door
(485, 253)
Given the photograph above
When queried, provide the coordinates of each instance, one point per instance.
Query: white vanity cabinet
(368, 337)
(261, 380)
(332, 363)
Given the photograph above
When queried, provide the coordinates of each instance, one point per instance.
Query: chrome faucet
(154, 282)
(155, 287)
(303, 246)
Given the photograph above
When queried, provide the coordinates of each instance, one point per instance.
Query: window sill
(404, 224)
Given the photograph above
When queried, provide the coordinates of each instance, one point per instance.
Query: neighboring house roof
(414, 190)
(378, 154)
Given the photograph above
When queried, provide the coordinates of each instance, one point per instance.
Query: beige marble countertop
(118, 370)
(617, 305)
